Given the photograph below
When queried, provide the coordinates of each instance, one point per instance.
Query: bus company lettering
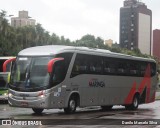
(96, 83)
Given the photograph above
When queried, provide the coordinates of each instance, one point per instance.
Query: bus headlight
(5, 94)
(42, 96)
(10, 95)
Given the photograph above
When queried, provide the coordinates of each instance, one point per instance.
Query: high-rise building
(156, 43)
(135, 26)
(22, 20)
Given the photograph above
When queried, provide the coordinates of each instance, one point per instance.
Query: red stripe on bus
(128, 100)
(146, 82)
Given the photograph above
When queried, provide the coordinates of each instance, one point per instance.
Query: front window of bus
(30, 74)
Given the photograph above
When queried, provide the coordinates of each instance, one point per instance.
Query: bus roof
(55, 49)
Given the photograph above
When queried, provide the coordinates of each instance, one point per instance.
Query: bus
(4, 78)
(67, 77)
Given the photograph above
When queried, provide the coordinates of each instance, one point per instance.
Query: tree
(12, 40)
(39, 34)
(6, 34)
(54, 39)
(99, 42)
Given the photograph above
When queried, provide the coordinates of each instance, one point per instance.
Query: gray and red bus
(67, 77)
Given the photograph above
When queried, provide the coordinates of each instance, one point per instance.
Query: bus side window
(83, 66)
(92, 67)
(67, 59)
(153, 69)
(95, 65)
(143, 68)
(58, 72)
(121, 68)
(80, 65)
(76, 66)
(98, 68)
(133, 69)
(106, 67)
(109, 66)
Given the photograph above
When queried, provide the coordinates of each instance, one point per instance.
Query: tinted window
(122, 67)
(87, 64)
(90, 64)
(143, 67)
(67, 59)
(60, 68)
(109, 66)
(80, 65)
(153, 69)
(59, 73)
(95, 64)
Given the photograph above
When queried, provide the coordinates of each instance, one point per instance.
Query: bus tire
(134, 105)
(105, 108)
(37, 110)
(72, 105)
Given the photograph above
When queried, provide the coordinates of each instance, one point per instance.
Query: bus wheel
(134, 104)
(72, 105)
(107, 107)
(37, 110)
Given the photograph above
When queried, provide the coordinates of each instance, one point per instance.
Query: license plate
(24, 104)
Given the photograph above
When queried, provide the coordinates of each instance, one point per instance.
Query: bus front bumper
(38, 103)
(33, 100)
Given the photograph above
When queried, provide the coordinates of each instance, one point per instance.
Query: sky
(76, 18)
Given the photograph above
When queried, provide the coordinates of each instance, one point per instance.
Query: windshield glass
(3, 80)
(30, 73)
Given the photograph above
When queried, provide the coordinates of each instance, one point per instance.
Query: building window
(126, 41)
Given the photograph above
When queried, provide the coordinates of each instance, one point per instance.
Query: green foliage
(90, 41)
(12, 40)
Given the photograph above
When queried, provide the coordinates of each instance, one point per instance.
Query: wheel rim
(72, 105)
(135, 103)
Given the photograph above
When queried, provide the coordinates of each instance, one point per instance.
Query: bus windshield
(30, 73)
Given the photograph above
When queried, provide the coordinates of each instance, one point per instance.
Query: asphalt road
(148, 114)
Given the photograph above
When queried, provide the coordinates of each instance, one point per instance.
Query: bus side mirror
(52, 62)
(7, 62)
